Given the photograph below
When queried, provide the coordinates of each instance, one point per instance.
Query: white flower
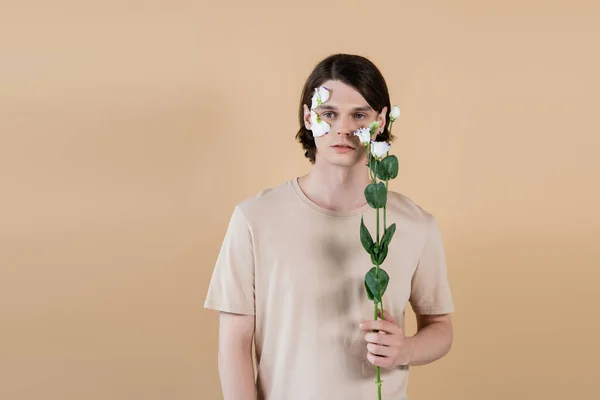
(364, 135)
(321, 96)
(318, 127)
(395, 113)
(379, 149)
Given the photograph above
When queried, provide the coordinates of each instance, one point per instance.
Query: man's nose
(345, 127)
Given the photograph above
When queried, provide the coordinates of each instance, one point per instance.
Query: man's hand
(387, 348)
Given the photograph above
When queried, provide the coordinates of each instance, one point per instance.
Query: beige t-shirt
(299, 268)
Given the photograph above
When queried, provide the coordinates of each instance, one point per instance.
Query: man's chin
(344, 161)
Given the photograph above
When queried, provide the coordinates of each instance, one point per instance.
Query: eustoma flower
(364, 134)
(318, 126)
(381, 169)
(378, 149)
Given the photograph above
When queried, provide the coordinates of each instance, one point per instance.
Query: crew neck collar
(332, 213)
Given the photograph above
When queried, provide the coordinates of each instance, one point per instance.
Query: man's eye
(328, 114)
(360, 116)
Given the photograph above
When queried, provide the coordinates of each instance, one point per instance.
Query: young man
(290, 273)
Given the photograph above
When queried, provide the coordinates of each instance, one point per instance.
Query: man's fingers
(380, 361)
(379, 339)
(378, 350)
(381, 325)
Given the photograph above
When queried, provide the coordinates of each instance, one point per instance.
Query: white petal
(395, 113)
(379, 149)
(313, 118)
(315, 100)
(364, 135)
(318, 128)
(323, 94)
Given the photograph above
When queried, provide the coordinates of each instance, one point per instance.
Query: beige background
(129, 130)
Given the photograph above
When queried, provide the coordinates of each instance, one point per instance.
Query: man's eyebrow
(327, 107)
(363, 108)
(334, 108)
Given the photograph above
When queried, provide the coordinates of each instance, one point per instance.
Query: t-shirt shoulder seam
(262, 194)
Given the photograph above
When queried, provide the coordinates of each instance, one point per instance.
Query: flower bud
(395, 113)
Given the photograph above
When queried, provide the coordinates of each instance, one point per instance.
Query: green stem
(373, 175)
(375, 172)
(378, 382)
(369, 156)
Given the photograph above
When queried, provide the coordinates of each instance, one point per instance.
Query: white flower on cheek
(318, 126)
(364, 135)
(321, 96)
(379, 149)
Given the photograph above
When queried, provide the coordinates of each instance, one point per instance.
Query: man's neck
(336, 188)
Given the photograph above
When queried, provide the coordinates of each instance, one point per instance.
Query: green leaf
(388, 234)
(374, 253)
(382, 173)
(369, 294)
(365, 237)
(388, 168)
(376, 284)
(376, 195)
(373, 258)
(384, 279)
(383, 251)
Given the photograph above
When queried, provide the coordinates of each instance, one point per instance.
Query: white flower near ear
(395, 113)
(321, 96)
(364, 135)
(318, 126)
(379, 149)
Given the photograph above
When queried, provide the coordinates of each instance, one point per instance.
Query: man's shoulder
(406, 208)
(266, 199)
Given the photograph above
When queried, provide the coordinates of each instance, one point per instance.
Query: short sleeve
(430, 290)
(231, 287)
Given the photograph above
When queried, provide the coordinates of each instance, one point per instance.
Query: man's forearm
(430, 343)
(236, 371)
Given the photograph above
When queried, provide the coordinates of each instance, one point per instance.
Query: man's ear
(382, 118)
(307, 123)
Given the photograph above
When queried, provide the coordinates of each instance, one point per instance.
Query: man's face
(345, 111)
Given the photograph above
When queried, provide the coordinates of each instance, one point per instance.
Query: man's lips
(343, 146)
